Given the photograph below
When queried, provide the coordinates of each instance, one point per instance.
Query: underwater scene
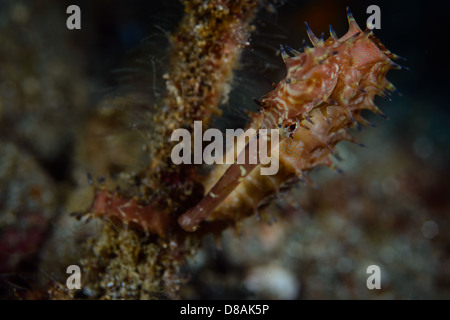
(238, 150)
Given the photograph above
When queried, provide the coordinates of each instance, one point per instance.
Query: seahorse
(325, 89)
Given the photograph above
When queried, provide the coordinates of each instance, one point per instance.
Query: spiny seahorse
(325, 89)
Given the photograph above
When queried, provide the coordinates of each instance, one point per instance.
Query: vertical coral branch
(205, 50)
(126, 263)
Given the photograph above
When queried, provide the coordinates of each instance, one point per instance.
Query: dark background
(76, 69)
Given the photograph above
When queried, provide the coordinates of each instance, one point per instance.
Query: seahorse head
(314, 76)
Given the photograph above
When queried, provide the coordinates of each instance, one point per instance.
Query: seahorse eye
(289, 128)
(292, 127)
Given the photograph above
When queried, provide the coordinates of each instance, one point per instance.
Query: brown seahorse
(313, 107)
